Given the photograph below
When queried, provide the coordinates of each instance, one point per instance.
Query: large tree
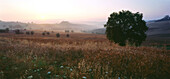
(126, 27)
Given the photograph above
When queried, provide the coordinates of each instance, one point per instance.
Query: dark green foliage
(58, 35)
(67, 35)
(27, 32)
(126, 26)
(43, 33)
(48, 33)
(32, 32)
(17, 32)
(7, 30)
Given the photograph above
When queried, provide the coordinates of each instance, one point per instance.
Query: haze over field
(91, 12)
(88, 15)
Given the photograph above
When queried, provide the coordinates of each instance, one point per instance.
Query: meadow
(81, 56)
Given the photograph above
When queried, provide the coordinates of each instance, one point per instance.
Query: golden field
(81, 56)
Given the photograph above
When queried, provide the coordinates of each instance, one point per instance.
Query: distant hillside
(12, 25)
(98, 31)
(156, 28)
(64, 25)
(166, 18)
(161, 27)
(70, 26)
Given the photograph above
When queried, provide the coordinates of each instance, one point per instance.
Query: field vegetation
(81, 56)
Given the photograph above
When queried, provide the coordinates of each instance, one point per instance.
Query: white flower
(49, 72)
(57, 75)
(118, 77)
(71, 69)
(29, 77)
(84, 77)
(38, 70)
(90, 70)
(64, 76)
(61, 66)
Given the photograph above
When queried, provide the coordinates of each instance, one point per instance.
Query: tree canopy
(126, 27)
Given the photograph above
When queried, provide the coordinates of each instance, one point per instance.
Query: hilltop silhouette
(166, 18)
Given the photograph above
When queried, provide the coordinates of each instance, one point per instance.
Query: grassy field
(81, 56)
(157, 42)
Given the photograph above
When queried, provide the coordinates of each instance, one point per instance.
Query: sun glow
(42, 17)
(55, 9)
(84, 10)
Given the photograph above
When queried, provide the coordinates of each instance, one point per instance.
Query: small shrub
(32, 32)
(43, 33)
(67, 35)
(58, 35)
(27, 33)
(48, 33)
(17, 31)
(7, 30)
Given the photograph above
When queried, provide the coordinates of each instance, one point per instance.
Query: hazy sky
(53, 11)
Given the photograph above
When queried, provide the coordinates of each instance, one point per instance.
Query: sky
(53, 11)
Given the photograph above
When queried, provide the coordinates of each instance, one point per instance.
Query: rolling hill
(64, 25)
(158, 28)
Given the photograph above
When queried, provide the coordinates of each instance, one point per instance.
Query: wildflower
(64, 77)
(49, 72)
(57, 75)
(35, 57)
(118, 77)
(90, 70)
(71, 69)
(34, 70)
(30, 77)
(84, 77)
(38, 70)
(61, 66)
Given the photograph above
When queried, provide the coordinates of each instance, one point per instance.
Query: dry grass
(80, 56)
